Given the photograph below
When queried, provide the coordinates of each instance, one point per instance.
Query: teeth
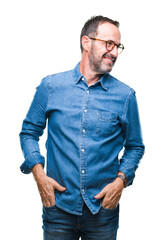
(110, 59)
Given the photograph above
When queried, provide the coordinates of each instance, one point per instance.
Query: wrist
(124, 179)
(119, 182)
(38, 172)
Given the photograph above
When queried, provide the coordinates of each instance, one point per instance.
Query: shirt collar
(77, 74)
(104, 80)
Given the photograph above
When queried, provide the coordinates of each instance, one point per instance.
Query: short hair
(91, 26)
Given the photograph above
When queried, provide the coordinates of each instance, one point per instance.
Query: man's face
(102, 60)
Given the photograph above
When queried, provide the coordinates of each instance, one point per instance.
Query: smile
(110, 60)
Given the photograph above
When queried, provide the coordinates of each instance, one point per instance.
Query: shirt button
(83, 190)
(87, 91)
(85, 110)
(82, 78)
(83, 130)
(82, 150)
(83, 171)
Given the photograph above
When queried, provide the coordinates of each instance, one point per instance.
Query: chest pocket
(106, 123)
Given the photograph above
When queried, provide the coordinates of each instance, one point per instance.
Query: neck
(85, 69)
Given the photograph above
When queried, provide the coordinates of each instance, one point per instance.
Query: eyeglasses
(110, 45)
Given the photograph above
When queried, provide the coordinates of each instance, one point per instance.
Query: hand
(46, 186)
(111, 193)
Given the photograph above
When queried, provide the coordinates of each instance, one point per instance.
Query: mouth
(110, 59)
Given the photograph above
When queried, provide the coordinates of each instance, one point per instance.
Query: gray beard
(98, 66)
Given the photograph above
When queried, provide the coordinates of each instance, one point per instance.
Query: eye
(110, 43)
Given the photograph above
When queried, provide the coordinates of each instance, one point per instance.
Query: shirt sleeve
(33, 127)
(133, 142)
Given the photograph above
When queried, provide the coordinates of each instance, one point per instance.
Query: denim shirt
(88, 126)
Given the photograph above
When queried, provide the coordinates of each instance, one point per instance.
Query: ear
(85, 41)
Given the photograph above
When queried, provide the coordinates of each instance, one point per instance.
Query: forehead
(108, 31)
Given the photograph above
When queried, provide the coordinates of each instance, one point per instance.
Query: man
(91, 117)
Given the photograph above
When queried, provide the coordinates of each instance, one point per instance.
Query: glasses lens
(120, 48)
(110, 45)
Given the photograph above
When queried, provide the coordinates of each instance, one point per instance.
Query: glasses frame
(119, 46)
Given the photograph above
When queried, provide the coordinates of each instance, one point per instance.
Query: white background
(42, 37)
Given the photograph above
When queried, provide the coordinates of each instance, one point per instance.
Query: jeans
(60, 225)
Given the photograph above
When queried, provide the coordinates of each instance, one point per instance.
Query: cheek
(102, 51)
(98, 52)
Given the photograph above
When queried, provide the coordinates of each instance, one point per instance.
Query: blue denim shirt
(87, 128)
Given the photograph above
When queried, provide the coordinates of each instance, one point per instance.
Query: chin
(107, 70)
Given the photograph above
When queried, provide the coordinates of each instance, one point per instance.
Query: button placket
(83, 154)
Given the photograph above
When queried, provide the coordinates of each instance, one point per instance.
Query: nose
(114, 52)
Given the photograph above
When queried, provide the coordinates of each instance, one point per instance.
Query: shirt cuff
(31, 161)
